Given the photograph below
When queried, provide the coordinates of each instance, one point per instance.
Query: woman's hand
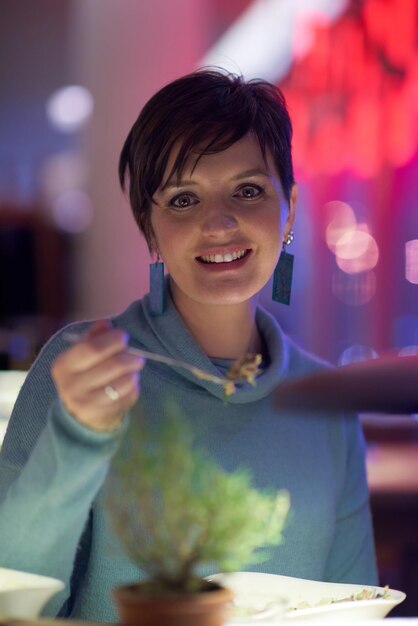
(97, 380)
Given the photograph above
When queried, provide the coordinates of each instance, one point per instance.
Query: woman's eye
(250, 191)
(183, 201)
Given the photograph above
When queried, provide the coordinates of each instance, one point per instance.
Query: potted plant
(176, 510)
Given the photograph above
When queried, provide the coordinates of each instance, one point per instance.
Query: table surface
(395, 621)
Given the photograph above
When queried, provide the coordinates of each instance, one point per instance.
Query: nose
(218, 220)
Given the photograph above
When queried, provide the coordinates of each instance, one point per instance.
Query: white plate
(248, 585)
(23, 595)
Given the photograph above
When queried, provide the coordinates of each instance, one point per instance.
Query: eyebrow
(173, 183)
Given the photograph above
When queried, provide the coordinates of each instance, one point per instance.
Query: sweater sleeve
(51, 469)
(352, 555)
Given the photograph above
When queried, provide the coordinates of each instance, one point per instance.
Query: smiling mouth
(229, 257)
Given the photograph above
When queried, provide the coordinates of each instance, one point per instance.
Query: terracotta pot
(206, 608)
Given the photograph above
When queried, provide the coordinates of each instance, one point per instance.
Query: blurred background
(74, 75)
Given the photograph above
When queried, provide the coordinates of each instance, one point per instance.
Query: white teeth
(223, 258)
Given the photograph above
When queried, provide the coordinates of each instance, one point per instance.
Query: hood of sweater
(168, 335)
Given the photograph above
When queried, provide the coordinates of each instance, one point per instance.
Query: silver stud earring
(289, 238)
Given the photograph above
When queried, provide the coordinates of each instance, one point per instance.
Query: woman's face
(218, 229)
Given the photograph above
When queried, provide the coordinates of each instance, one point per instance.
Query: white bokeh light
(352, 244)
(411, 261)
(340, 218)
(72, 211)
(356, 353)
(357, 251)
(69, 108)
(62, 171)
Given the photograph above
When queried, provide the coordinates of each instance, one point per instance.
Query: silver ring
(111, 392)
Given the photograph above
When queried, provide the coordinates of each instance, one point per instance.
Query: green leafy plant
(176, 510)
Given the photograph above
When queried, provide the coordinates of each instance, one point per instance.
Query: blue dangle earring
(156, 287)
(282, 277)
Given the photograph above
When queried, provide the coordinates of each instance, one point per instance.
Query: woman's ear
(291, 214)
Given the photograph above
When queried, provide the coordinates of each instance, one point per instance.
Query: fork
(227, 383)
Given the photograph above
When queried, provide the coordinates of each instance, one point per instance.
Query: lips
(223, 257)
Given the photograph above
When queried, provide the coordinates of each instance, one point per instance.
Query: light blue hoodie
(53, 469)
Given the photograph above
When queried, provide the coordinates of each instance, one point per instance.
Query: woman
(211, 187)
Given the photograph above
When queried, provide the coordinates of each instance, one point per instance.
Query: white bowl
(10, 384)
(23, 595)
(249, 585)
(257, 607)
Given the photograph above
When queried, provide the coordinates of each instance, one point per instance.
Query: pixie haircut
(201, 113)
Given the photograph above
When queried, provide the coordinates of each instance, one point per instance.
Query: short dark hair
(203, 112)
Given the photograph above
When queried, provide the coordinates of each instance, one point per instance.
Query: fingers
(96, 346)
(97, 380)
(103, 372)
(104, 408)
